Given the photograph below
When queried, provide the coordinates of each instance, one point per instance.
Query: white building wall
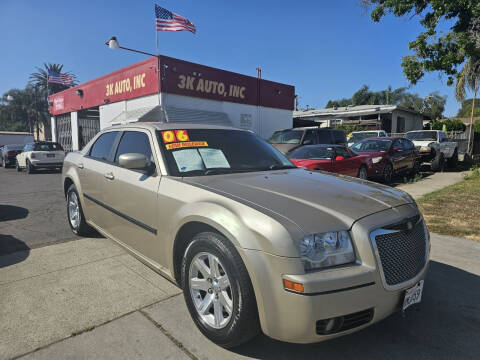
(74, 123)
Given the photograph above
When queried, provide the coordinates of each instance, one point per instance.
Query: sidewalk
(88, 299)
(432, 183)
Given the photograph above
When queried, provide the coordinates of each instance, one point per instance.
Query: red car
(388, 156)
(333, 158)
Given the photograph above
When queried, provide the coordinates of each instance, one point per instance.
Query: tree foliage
(40, 78)
(434, 50)
(466, 110)
(432, 105)
(450, 125)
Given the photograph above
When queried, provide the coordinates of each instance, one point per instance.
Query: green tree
(40, 78)
(466, 109)
(433, 49)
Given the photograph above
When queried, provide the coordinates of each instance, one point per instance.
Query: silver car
(254, 242)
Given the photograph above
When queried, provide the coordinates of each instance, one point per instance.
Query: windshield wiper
(280, 167)
(217, 171)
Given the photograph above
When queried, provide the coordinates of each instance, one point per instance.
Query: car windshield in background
(199, 152)
(13, 147)
(361, 136)
(372, 145)
(286, 137)
(313, 153)
(48, 147)
(422, 135)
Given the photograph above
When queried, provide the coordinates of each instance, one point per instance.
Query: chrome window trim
(378, 260)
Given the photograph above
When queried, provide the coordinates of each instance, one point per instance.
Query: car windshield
(286, 137)
(13, 147)
(372, 145)
(200, 152)
(48, 147)
(356, 137)
(313, 153)
(422, 135)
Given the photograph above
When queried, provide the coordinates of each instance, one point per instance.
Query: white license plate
(413, 295)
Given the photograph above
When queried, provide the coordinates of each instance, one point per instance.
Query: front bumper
(376, 170)
(335, 292)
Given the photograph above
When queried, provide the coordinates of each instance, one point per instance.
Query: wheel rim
(73, 210)
(210, 290)
(363, 173)
(387, 172)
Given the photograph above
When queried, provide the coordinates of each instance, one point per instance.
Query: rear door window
(309, 137)
(134, 142)
(103, 146)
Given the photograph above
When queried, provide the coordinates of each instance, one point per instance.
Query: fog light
(294, 286)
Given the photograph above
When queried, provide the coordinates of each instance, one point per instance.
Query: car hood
(284, 148)
(315, 201)
(422, 142)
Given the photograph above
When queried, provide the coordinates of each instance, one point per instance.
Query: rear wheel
(76, 219)
(218, 291)
(17, 166)
(363, 173)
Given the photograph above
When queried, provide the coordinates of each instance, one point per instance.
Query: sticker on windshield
(214, 158)
(170, 136)
(188, 160)
(182, 135)
(179, 145)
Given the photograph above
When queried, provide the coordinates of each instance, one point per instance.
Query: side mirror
(339, 158)
(133, 161)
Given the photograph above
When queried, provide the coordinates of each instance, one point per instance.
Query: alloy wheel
(210, 290)
(387, 173)
(73, 210)
(362, 173)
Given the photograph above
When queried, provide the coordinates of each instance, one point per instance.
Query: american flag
(59, 78)
(168, 21)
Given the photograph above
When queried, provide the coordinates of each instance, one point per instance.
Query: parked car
(332, 158)
(9, 153)
(253, 241)
(389, 156)
(40, 155)
(290, 139)
(434, 148)
(357, 136)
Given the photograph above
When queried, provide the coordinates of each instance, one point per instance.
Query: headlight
(377, 159)
(326, 249)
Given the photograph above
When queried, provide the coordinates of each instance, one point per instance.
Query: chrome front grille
(401, 250)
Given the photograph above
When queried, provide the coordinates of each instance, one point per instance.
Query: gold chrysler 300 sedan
(254, 242)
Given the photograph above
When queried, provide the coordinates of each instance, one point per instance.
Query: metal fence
(63, 126)
(87, 128)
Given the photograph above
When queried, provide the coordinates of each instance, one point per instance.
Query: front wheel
(17, 166)
(218, 291)
(453, 161)
(30, 168)
(387, 173)
(363, 173)
(76, 219)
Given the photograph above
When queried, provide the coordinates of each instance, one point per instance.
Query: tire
(363, 173)
(438, 163)
(30, 168)
(416, 167)
(80, 227)
(228, 329)
(17, 166)
(387, 173)
(4, 164)
(453, 161)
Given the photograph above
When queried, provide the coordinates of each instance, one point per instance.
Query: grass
(455, 210)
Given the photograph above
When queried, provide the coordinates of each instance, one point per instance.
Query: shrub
(450, 124)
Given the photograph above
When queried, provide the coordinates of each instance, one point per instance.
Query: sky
(326, 49)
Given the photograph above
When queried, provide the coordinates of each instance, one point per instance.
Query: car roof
(366, 131)
(171, 126)
(321, 145)
(308, 128)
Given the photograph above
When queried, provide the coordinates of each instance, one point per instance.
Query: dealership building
(170, 90)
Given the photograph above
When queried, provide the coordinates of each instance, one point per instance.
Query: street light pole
(113, 44)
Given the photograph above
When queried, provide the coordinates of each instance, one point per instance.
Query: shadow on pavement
(11, 212)
(445, 326)
(12, 250)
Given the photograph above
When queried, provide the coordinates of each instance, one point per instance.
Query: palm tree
(468, 79)
(40, 79)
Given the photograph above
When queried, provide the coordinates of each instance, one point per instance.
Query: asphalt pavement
(32, 210)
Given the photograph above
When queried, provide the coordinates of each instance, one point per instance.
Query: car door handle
(80, 166)
(109, 176)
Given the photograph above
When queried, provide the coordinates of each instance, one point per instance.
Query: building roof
(350, 111)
